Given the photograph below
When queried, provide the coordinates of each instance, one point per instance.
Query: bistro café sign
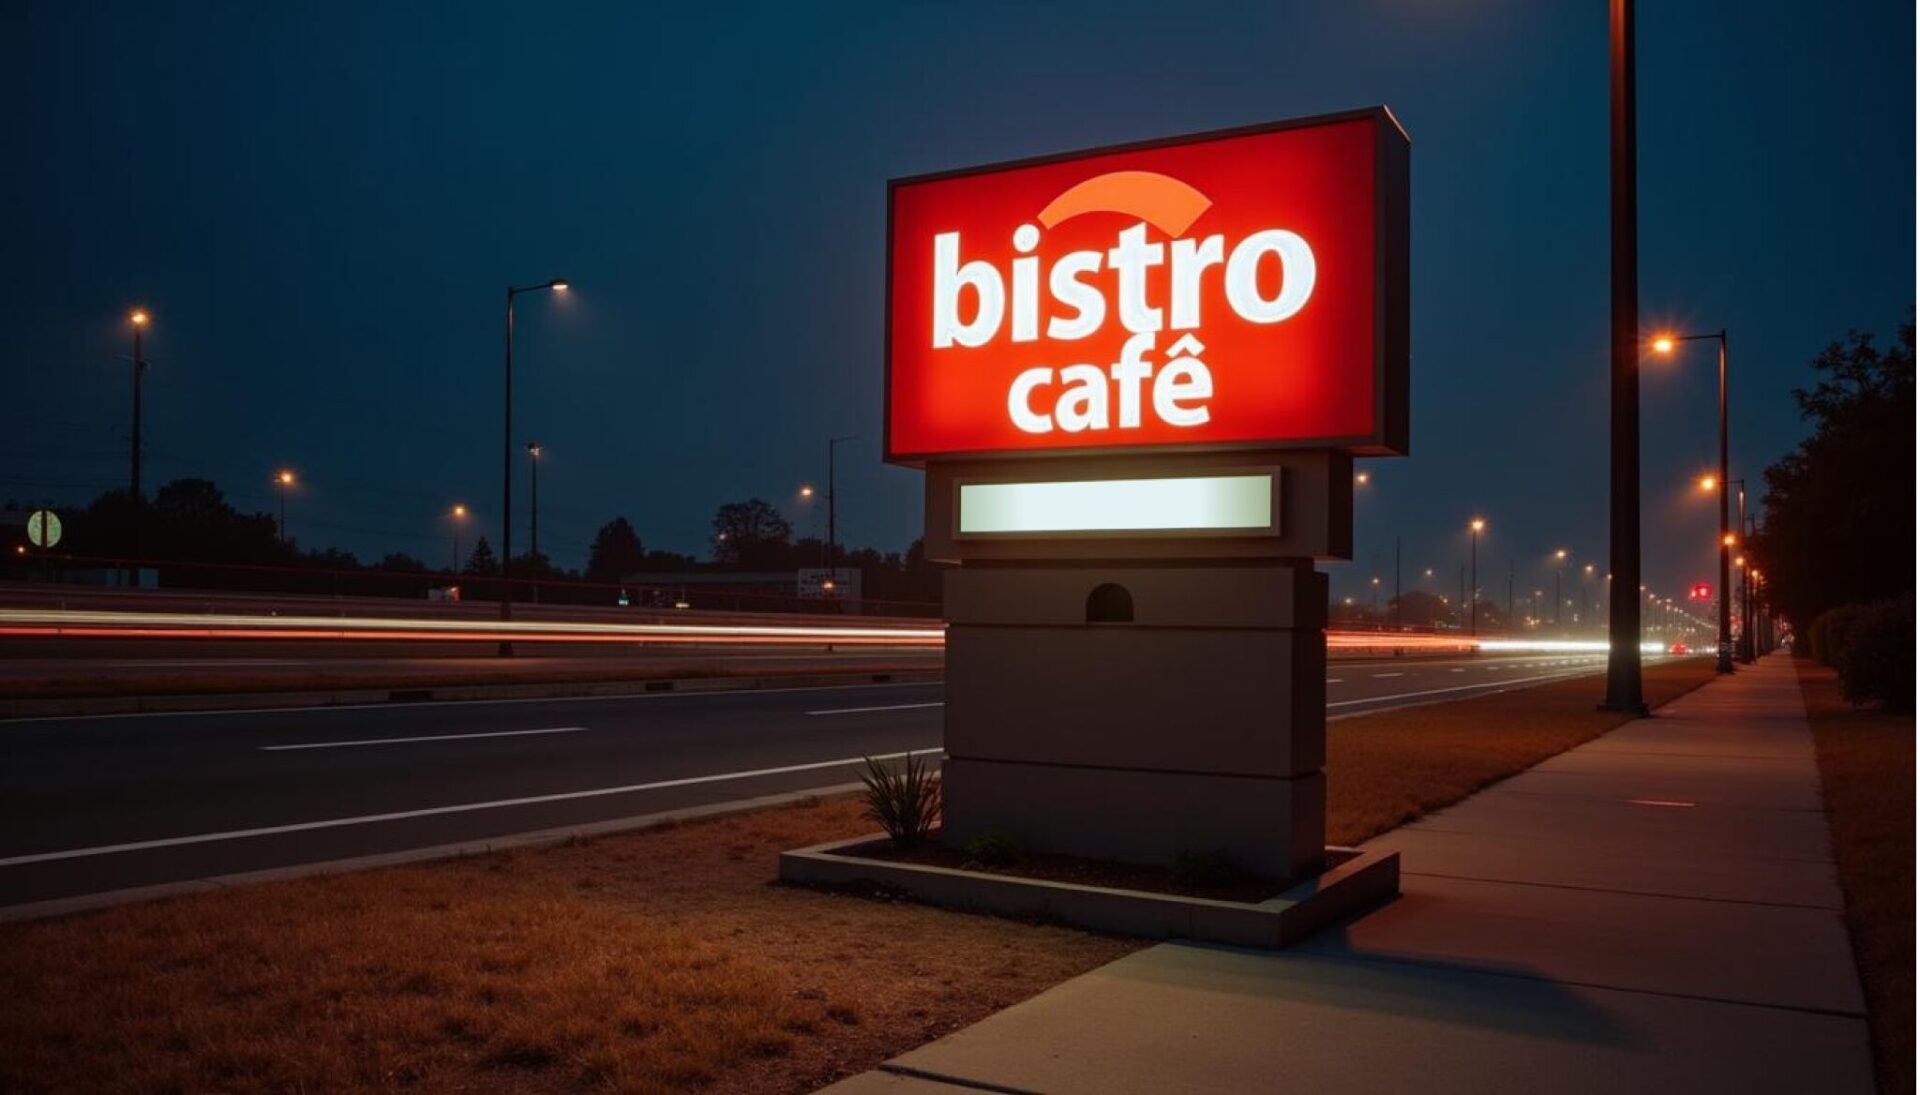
(1235, 290)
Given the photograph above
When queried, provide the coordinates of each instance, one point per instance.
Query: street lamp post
(1623, 541)
(1473, 585)
(1666, 345)
(457, 516)
(1586, 596)
(284, 481)
(533, 507)
(832, 543)
(1559, 568)
(139, 318)
(506, 475)
(1743, 647)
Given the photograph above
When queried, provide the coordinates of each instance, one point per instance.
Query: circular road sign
(43, 528)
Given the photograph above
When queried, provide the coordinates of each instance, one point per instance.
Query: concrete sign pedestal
(1136, 712)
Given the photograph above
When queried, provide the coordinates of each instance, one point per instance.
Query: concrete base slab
(1360, 881)
(1157, 1021)
(1269, 825)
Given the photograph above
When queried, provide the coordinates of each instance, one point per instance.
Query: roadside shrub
(993, 849)
(905, 800)
(1827, 636)
(1876, 661)
(1205, 869)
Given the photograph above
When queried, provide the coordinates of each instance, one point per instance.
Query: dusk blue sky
(322, 203)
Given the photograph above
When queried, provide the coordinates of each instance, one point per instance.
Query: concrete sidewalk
(1657, 910)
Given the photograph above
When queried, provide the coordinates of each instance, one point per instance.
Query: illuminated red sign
(1244, 289)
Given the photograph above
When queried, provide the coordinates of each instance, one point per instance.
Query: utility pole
(1396, 582)
(1623, 542)
(139, 320)
(533, 505)
(833, 564)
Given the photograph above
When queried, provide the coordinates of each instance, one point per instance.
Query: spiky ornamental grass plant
(905, 801)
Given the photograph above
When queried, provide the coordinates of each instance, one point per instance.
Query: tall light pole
(457, 516)
(1623, 541)
(832, 543)
(558, 285)
(1473, 586)
(1396, 583)
(1666, 344)
(139, 318)
(533, 506)
(1559, 568)
(283, 480)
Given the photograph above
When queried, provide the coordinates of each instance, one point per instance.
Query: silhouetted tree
(482, 562)
(751, 535)
(616, 551)
(1839, 525)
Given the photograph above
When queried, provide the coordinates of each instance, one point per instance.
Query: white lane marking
(1334, 680)
(433, 811)
(888, 707)
(1460, 688)
(1456, 671)
(423, 737)
(1380, 676)
(407, 704)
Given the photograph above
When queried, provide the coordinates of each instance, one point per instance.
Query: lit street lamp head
(284, 477)
(138, 317)
(806, 490)
(1478, 524)
(558, 285)
(1362, 477)
(459, 510)
(1708, 482)
(1663, 344)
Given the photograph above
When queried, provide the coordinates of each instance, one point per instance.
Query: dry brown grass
(655, 961)
(1866, 777)
(1385, 770)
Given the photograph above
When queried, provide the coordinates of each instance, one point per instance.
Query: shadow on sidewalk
(1332, 975)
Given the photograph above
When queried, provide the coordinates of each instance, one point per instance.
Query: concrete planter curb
(1365, 879)
(442, 693)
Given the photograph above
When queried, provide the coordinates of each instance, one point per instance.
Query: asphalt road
(104, 803)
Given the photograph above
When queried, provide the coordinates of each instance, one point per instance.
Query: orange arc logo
(1161, 200)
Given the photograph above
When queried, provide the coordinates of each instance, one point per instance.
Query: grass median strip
(654, 961)
(1384, 770)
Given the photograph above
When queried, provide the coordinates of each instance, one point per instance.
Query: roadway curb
(431, 693)
(63, 906)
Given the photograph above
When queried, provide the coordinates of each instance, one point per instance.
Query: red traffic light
(1701, 591)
